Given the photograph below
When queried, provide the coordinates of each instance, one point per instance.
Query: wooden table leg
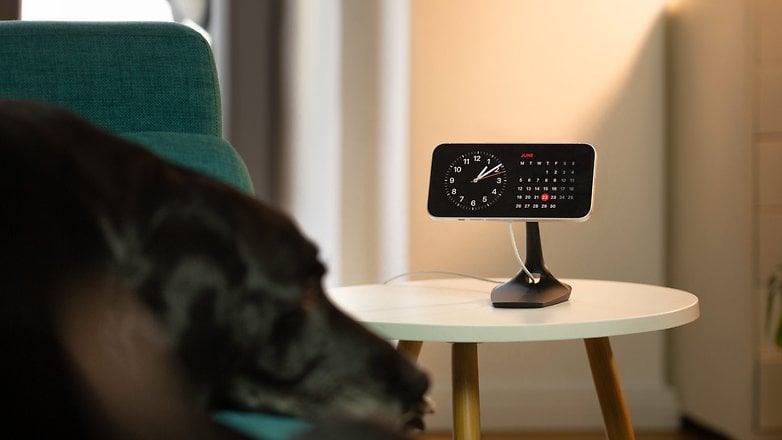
(609, 392)
(466, 396)
(410, 349)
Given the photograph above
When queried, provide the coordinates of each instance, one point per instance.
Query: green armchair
(154, 83)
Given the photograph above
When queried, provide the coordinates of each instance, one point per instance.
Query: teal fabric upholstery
(207, 153)
(152, 82)
(261, 426)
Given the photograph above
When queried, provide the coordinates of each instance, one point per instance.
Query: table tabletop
(460, 310)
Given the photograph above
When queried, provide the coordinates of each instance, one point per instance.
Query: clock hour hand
(480, 175)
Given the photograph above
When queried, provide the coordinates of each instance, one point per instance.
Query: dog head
(267, 338)
(231, 283)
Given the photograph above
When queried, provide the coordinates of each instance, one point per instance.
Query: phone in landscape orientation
(506, 181)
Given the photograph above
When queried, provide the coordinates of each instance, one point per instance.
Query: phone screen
(512, 181)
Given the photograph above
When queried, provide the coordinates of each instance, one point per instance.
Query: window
(84, 10)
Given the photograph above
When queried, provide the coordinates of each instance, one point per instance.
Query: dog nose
(419, 404)
(414, 418)
(415, 382)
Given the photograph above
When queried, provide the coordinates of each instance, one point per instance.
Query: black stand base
(522, 291)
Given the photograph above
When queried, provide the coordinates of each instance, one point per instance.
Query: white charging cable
(463, 275)
(516, 252)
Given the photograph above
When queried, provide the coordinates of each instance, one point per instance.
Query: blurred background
(336, 106)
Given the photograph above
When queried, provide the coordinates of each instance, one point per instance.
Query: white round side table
(459, 311)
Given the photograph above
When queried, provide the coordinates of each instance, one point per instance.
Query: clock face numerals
(475, 180)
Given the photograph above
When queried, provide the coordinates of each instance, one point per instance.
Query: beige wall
(768, 184)
(538, 71)
(768, 134)
(542, 71)
(715, 200)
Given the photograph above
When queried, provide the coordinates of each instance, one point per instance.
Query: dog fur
(136, 293)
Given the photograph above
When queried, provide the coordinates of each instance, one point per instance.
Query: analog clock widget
(475, 180)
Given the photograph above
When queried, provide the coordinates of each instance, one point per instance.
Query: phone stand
(523, 292)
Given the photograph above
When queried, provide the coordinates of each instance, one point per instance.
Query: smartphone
(505, 181)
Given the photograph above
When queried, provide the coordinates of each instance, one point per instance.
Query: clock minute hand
(491, 175)
(484, 174)
(481, 174)
(496, 167)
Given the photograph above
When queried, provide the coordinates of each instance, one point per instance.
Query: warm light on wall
(673, 5)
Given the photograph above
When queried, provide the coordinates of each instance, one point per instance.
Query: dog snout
(409, 385)
(388, 375)
(414, 418)
(416, 403)
(417, 384)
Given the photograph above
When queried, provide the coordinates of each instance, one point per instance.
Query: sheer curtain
(344, 162)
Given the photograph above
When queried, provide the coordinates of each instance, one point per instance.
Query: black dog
(138, 296)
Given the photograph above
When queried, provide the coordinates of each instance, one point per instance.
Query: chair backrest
(152, 82)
